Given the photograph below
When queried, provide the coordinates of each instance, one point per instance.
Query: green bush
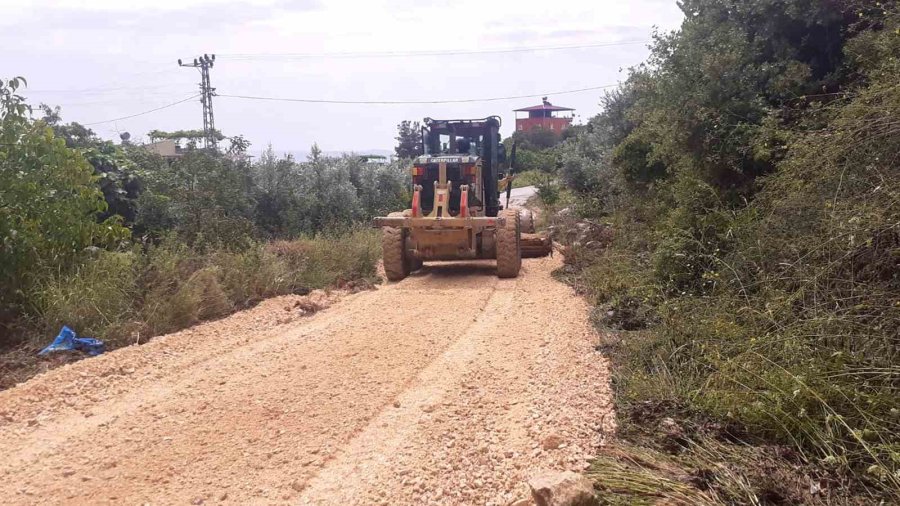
(252, 275)
(549, 193)
(304, 198)
(757, 232)
(131, 296)
(338, 258)
(196, 298)
(529, 178)
(96, 297)
(182, 286)
(49, 201)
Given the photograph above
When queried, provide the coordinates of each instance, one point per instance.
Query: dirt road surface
(519, 196)
(451, 387)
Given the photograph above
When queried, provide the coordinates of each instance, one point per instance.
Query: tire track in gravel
(392, 431)
(438, 389)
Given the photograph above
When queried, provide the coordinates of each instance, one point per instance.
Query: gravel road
(519, 196)
(451, 387)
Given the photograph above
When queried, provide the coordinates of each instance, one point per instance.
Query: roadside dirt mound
(451, 387)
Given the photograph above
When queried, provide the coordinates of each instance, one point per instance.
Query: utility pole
(207, 92)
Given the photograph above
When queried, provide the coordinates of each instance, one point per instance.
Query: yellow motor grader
(456, 212)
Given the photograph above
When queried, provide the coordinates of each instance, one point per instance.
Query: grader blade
(536, 245)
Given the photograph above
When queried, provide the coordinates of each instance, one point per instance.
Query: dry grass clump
(129, 297)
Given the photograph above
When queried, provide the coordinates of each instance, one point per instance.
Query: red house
(547, 116)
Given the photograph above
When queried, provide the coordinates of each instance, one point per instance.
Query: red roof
(546, 106)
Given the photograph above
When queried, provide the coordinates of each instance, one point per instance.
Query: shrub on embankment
(125, 297)
(750, 173)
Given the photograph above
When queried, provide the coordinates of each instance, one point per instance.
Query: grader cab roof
(464, 127)
(460, 136)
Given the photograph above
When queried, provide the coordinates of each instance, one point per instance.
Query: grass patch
(96, 297)
(769, 406)
(531, 177)
(128, 297)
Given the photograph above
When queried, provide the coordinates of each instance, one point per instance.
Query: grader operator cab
(456, 212)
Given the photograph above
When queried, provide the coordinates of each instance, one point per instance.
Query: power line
(143, 95)
(92, 91)
(371, 102)
(401, 102)
(392, 54)
(145, 112)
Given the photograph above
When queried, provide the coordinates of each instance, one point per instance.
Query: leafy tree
(117, 181)
(179, 135)
(205, 196)
(49, 199)
(409, 140)
(380, 188)
(154, 213)
(697, 125)
(329, 195)
(120, 186)
(238, 145)
(323, 192)
(75, 134)
(277, 199)
(536, 139)
(541, 160)
(11, 103)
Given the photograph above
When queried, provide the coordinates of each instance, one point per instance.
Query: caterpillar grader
(456, 212)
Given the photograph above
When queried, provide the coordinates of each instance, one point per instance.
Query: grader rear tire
(393, 249)
(509, 247)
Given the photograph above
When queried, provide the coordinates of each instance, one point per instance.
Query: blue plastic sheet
(69, 340)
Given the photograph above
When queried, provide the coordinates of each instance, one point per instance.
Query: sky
(106, 59)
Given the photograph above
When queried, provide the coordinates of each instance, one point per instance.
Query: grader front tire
(509, 247)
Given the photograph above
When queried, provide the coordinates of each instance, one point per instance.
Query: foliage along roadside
(123, 244)
(750, 173)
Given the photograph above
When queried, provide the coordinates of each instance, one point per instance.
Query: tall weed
(129, 297)
(96, 297)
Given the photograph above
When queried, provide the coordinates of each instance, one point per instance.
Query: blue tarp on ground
(68, 340)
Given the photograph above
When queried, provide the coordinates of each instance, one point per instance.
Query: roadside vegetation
(121, 244)
(537, 152)
(739, 199)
